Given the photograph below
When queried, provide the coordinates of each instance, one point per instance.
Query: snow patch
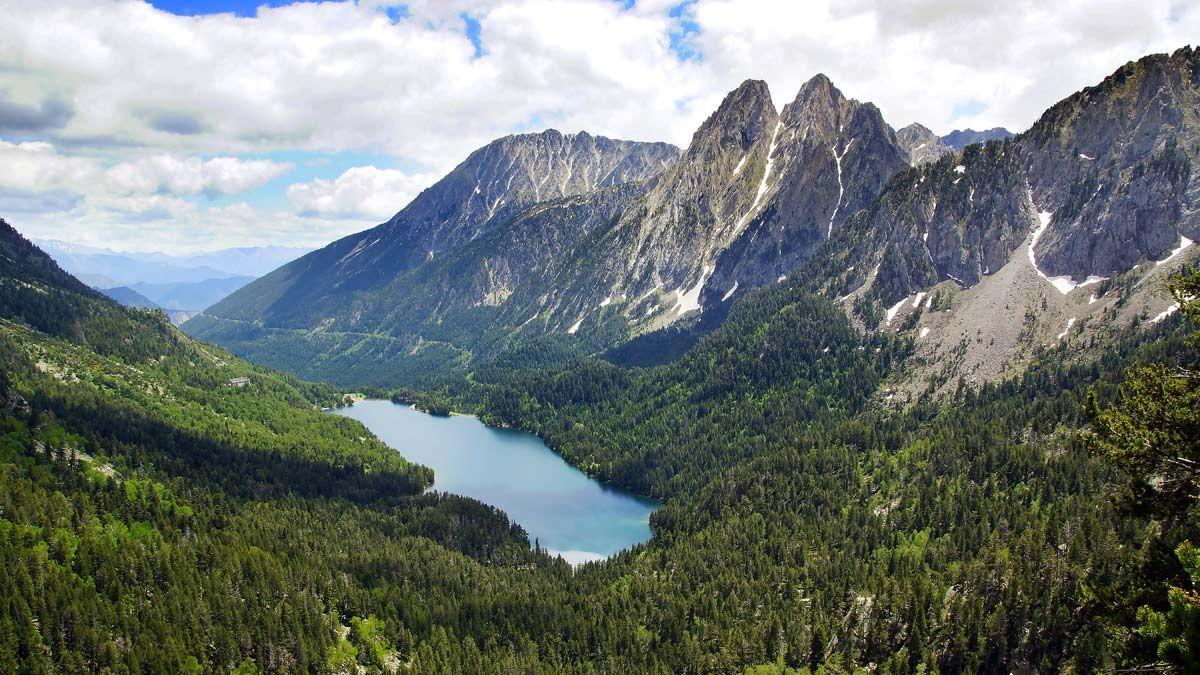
(572, 329)
(606, 302)
(893, 310)
(689, 299)
(1070, 322)
(841, 188)
(1083, 156)
(742, 162)
(1061, 284)
(924, 331)
(917, 299)
(762, 184)
(729, 292)
(782, 278)
(1165, 313)
(1092, 300)
(960, 169)
(1184, 243)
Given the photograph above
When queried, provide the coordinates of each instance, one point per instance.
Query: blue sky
(196, 7)
(168, 126)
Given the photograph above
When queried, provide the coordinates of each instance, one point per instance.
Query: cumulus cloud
(344, 75)
(192, 176)
(175, 123)
(138, 84)
(362, 191)
(37, 166)
(18, 118)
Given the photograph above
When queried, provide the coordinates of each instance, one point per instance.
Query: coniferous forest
(155, 519)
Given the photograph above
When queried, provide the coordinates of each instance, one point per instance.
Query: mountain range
(904, 413)
(181, 284)
(599, 241)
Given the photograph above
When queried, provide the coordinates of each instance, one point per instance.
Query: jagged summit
(921, 144)
(745, 114)
(578, 234)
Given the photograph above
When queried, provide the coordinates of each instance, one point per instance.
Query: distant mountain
(129, 297)
(252, 261)
(104, 267)
(921, 144)
(193, 296)
(961, 138)
(183, 285)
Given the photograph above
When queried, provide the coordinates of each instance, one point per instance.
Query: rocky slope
(833, 156)
(921, 144)
(1116, 166)
(820, 192)
(486, 191)
(752, 198)
(1064, 232)
(1100, 183)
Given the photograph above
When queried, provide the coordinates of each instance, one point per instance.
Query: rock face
(751, 199)
(579, 235)
(487, 190)
(1102, 181)
(961, 138)
(921, 144)
(656, 258)
(1116, 164)
(958, 219)
(831, 158)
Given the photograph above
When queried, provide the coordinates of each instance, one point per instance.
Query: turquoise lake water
(568, 512)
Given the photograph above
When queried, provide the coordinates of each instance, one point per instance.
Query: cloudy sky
(179, 125)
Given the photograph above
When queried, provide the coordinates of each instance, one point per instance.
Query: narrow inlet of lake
(568, 512)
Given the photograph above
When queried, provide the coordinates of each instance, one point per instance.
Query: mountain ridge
(755, 197)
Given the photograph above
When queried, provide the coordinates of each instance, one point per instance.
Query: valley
(811, 394)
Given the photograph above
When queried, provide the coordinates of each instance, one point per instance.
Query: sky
(189, 125)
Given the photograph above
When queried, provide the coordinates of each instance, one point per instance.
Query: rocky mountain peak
(961, 138)
(745, 114)
(830, 157)
(921, 144)
(1113, 164)
(819, 108)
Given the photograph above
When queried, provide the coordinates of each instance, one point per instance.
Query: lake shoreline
(560, 506)
(508, 427)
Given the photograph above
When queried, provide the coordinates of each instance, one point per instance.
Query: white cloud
(148, 91)
(361, 191)
(193, 176)
(339, 75)
(37, 166)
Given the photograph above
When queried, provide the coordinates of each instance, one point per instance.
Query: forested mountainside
(155, 519)
(1099, 189)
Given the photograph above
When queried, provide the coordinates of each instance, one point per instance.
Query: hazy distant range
(180, 284)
